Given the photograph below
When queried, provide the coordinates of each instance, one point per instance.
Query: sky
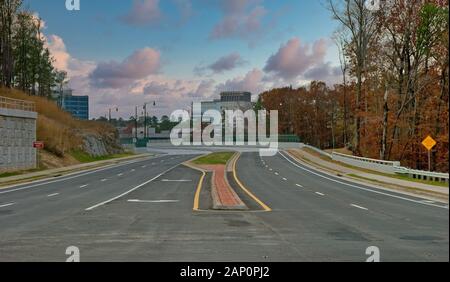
(173, 52)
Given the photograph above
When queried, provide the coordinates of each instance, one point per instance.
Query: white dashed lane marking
(359, 207)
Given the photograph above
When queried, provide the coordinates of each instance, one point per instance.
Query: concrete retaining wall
(17, 134)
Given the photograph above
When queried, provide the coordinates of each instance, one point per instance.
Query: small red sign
(38, 145)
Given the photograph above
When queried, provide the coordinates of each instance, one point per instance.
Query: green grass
(214, 159)
(86, 158)
(8, 174)
(405, 178)
(15, 173)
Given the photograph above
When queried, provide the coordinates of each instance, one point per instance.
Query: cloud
(227, 63)
(57, 48)
(143, 13)
(221, 65)
(140, 64)
(242, 19)
(252, 82)
(168, 94)
(293, 59)
(62, 60)
(326, 73)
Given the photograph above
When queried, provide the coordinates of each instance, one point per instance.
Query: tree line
(26, 62)
(394, 90)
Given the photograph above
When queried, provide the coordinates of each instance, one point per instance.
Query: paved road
(324, 218)
(142, 211)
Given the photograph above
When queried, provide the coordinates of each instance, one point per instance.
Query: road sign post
(38, 145)
(429, 143)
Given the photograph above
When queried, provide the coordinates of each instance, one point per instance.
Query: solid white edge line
(7, 205)
(361, 188)
(131, 190)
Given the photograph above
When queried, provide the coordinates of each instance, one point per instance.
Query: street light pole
(145, 118)
(136, 123)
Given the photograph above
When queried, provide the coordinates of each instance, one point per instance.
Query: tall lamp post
(145, 117)
(117, 109)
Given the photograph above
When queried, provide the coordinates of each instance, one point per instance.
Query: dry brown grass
(57, 128)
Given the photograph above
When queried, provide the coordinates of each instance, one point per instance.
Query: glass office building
(77, 106)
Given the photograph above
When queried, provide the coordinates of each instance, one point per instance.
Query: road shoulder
(413, 189)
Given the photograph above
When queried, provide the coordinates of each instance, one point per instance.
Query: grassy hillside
(62, 134)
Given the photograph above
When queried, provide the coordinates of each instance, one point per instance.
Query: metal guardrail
(323, 153)
(15, 104)
(423, 175)
(392, 167)
(368, 160)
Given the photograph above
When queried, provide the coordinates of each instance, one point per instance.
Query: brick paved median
(224, 197)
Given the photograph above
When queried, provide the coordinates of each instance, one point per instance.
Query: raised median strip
(223, 195)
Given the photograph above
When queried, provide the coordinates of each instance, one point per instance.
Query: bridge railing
(15, 104)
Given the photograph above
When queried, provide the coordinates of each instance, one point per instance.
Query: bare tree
(340, 39)
(360, 23)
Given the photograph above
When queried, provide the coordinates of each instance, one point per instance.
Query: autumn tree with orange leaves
(396, 88)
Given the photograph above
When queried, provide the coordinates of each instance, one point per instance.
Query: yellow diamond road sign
(429, 143)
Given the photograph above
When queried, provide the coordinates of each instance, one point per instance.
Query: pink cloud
(252, 82)
(113, 74)
(143, 12)
(57, 48)
(294, 58)
(242, 19)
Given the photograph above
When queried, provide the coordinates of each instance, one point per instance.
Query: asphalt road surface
(142, 211)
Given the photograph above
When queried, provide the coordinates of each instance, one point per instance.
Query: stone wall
(17, 134)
